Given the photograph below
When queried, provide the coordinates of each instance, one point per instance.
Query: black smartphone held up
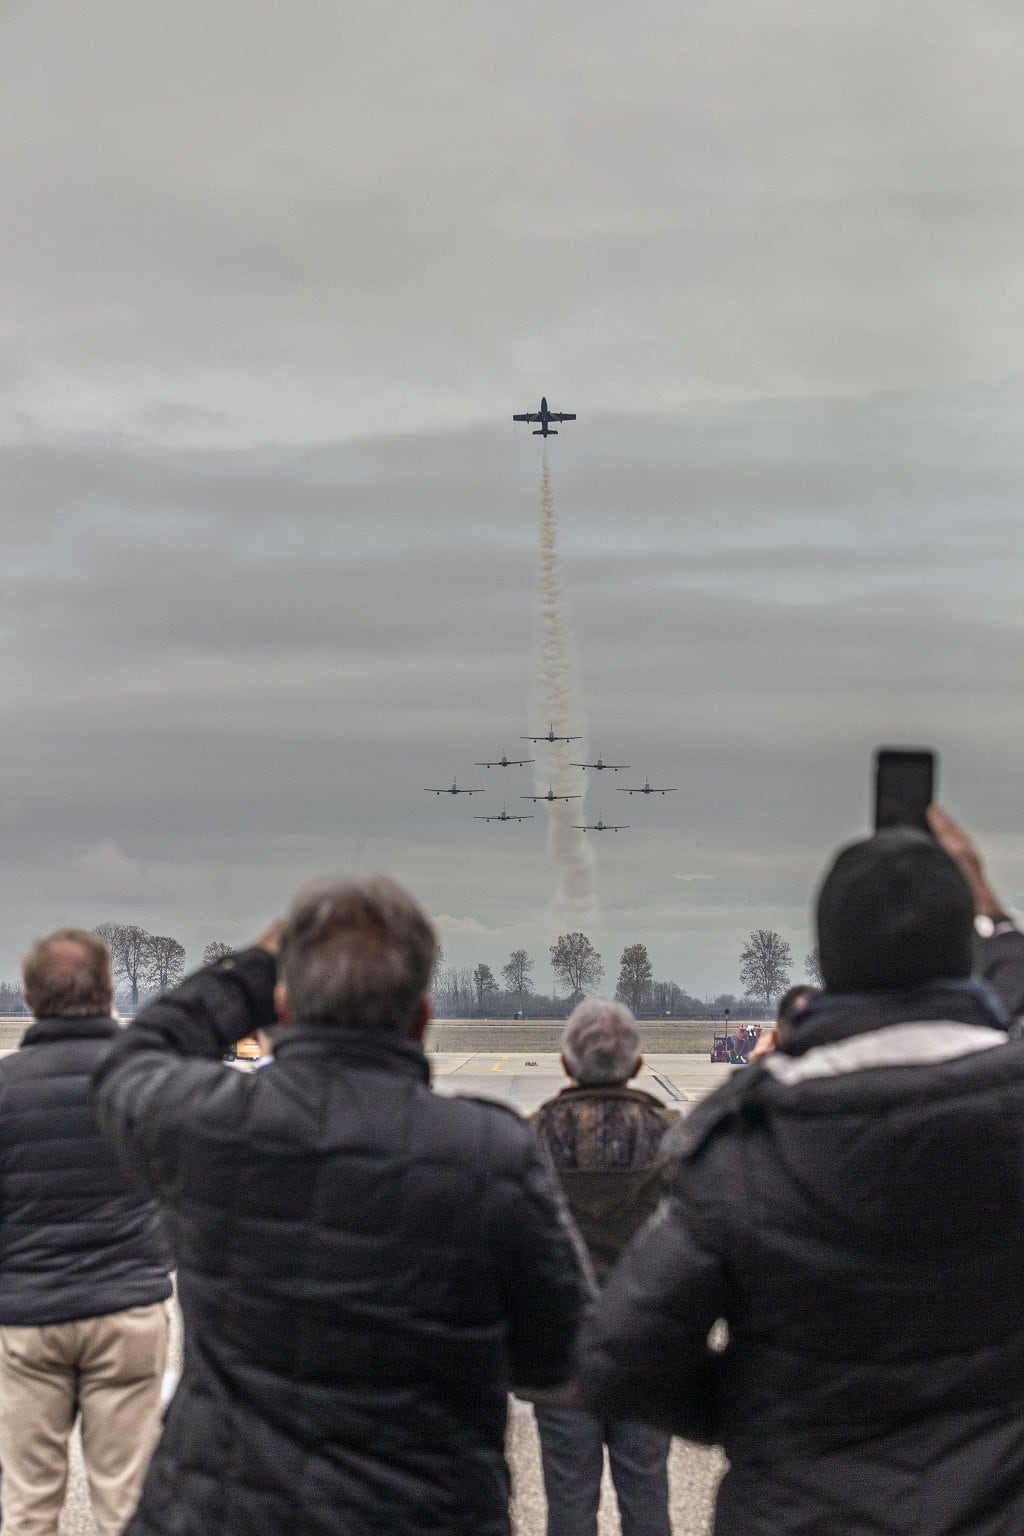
(904, 786)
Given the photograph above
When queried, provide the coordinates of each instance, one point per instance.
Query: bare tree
(165, 962)
(216, 950)
(454, 993)
(765, 963)
(576, 962)
(812, 967)
(484, 985)
(635, 976)
(517, 974)
(11, 998)
(436, 971)
(127, 944)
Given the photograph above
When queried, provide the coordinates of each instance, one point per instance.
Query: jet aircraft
(550, 796)
(545, 417)
(503, 817)
(506, 762)
(602, 826)
(551, 737)
(647, 788)
(454, 790)
(601, 764)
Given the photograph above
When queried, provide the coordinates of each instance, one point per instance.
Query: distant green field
(658, 1038)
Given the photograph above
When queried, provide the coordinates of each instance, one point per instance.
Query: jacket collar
(354, 1047)
(838, 1017)
(97, 1027)
(606, 1091)
(835, 1016)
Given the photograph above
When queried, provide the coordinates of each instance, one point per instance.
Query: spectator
(604, 1140)
(790, 1004)
(853, 1208)
(84, 1264)
(364, 1266)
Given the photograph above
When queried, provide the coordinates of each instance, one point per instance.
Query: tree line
(148, 964)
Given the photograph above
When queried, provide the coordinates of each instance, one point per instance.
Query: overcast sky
(275, 278)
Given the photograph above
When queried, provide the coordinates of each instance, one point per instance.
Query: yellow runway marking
(498, 1064)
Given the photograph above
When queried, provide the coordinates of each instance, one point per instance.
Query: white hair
(601, 1043)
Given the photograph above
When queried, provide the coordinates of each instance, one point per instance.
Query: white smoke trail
(558, 705)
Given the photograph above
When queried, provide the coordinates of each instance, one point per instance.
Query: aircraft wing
(561, 416)
(529, 416)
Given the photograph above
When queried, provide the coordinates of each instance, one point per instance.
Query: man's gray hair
(601, 1042)
(357, 953)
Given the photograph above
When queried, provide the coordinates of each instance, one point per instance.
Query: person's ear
(281, 1006)
(638, 1067)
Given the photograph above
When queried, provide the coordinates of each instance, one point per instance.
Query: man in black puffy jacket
(853, 1207)
(84, 1264)
(364, 1267)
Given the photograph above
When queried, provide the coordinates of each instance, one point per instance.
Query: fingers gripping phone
(904, 786)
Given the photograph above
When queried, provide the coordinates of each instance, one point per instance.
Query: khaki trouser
(109, 1370)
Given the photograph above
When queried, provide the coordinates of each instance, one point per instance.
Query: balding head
(67, 975)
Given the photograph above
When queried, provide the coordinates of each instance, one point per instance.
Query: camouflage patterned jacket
(605, 1145)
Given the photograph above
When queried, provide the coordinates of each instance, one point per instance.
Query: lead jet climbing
(545, 417)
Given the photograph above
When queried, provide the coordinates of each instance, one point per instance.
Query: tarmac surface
(525, 1081)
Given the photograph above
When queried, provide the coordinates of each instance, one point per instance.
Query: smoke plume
(558, 706)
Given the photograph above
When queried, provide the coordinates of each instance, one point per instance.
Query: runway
(525, 1079)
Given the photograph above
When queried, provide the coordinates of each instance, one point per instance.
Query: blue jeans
(572, 1452)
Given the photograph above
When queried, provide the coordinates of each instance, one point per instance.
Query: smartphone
(904, 786)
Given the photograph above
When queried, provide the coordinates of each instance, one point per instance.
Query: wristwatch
(988, 926)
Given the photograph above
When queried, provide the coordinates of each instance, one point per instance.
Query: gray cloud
(274, 283)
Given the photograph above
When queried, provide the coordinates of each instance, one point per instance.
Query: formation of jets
(545, 417)
(550, 797)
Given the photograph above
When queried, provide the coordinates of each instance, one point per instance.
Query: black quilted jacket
(364, 1268)
(77, 1238)
(854, 1209)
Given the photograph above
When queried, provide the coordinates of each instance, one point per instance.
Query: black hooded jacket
(364, 1268)
(853, 1208)
(77, 1237)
